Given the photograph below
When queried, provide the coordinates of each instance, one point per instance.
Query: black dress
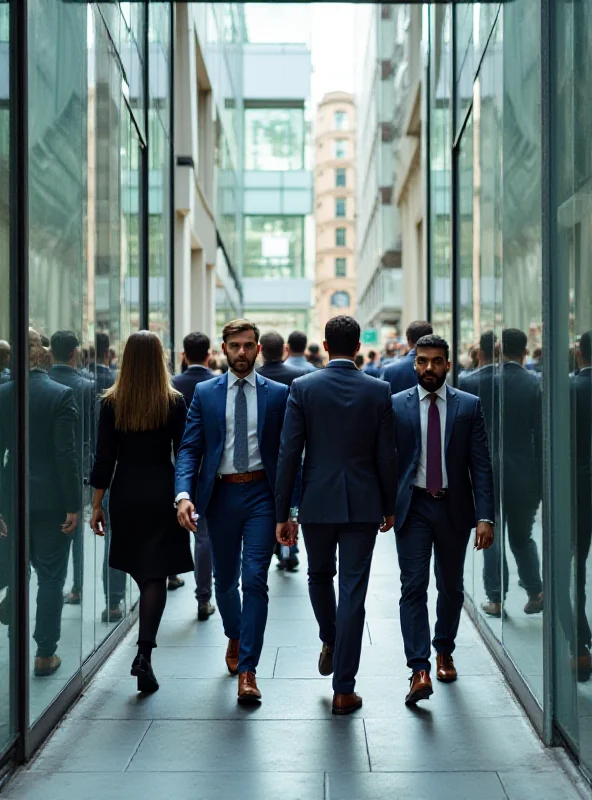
(137, 468)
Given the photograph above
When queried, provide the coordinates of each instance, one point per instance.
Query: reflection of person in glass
(66, 356)
(4, 361)
(519, 392)
(54, 492)
(582, 404)
(113, 579)
(142, 418)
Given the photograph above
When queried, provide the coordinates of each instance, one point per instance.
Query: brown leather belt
(243, 477)
(439, 496)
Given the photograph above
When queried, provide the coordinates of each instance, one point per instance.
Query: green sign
(370, 336)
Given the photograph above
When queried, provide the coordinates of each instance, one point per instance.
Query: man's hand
(71, 523)
(97, 521)
(388, 523)
(483, 536)
(185, 512)
(286, 532)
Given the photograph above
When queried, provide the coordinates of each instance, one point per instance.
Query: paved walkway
(190, 741)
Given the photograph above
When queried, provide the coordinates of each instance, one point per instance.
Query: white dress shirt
(227, 461)
(226, 466)
(424, 407)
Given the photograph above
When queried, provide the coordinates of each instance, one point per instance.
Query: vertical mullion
(172, 211)
(19, 291)
(144, 183)
(454, 204)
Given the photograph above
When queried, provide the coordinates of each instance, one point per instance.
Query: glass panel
(340, 234)
(520, 376)
(340, 148)
(340, 176)
(340, 267)
(274, 247)
(340, 207)
(440, 164)
(8, 632)
(341, 122)
(59, 396)
(274, 138)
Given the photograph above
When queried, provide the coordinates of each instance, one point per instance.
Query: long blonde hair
(142, 393)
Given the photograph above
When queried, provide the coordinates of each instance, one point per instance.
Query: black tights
(153, 595)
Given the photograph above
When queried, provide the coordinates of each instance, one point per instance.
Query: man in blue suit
(196, 354)
(349, 487)
(226, 469)
(445, 490)
(401, 375)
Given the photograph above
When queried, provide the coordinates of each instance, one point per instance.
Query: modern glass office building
(508, 174)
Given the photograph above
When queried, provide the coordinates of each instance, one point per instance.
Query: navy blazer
(401, 374)
(470, 476)
(344, 420)
(186, 381)
(203, 442)
(280, 372)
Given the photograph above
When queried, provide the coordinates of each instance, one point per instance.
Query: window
(340, 176)
(340, 267)
(274, 139)
(274, 246)
(340, 300)
(340, 148)
(340, 206)
(341, 121)
(340, 237)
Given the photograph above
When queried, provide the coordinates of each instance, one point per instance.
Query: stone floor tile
(334, 745)
(532, 785)
(416, 786)
(91, 746)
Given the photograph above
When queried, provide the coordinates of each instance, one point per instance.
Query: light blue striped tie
(241, 435)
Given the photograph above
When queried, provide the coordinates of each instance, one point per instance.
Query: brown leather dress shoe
(326, 660)
(346, 703)
(44, 667)
(248, 693)
(446, 671)
(232, 656)
(421, 687)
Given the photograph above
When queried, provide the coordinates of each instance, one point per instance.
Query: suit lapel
(412, 402)
(451, 411)
(262, 389)
(221, 391)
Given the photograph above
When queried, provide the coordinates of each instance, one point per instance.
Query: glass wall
(89, 151)
(274, 138)
(274, 247)
(8, 529)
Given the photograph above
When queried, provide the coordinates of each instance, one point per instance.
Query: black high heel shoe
(142, 670)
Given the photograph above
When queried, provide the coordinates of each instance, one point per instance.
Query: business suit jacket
(280, 372)
(521, 421)
(84, 391)
(344, 419)
(372, 370)
(401, 375)
(470, 477)
(186, 381)
(203, 443)
(54, 478)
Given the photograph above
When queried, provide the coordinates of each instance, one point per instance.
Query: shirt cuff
(182, 496)
(486, 520)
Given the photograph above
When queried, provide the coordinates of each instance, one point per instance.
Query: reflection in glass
(274, 138)
(274, 247)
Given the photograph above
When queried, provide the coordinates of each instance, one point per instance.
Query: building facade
(334, 210)
(277, 179)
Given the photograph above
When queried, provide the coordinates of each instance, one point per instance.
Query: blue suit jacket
(201, 449)
(401, 374)
(344, 420)
(470, 477)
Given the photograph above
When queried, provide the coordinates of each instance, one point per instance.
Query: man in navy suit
(401, 375)
(226, 470)
(445, 490)
(273, 367)
(349, 487)
(196, 354)
(371, 367)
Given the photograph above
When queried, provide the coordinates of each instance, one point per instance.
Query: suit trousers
(429, 526)
(241, 523)
(49, 553)
(340, 625)
(203, 562)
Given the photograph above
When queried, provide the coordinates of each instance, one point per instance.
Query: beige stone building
(335, 276)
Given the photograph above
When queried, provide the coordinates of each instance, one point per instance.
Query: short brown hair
(239, 326)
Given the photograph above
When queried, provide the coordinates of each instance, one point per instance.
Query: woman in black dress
(140, 426)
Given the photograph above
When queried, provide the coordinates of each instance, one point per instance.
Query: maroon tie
(434, 454)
